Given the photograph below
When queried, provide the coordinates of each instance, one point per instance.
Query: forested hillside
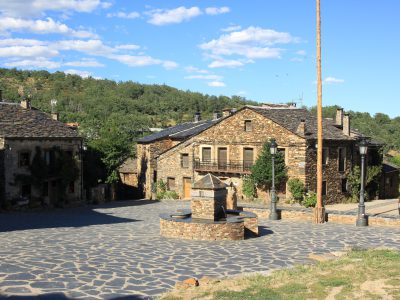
(112, 115)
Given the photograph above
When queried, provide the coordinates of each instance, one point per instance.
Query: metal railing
(231, 166)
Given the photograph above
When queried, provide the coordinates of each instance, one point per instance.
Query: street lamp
(273, 213)
(362, 218)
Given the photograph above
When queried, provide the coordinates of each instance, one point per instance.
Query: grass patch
(360, 274)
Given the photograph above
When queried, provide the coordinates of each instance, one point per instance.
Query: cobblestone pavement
(115, 251)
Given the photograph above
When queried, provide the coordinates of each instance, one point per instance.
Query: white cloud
(124, 15)
(251, 43)
(9, 24)
(27, 51)
(217, 10)
(43, 50)
(85, 62)
(223, 63)
(297, 59)
(38, 62)
(92, 47)
(172, 16)
(83, 74)
(23, 8)
(301, 52)
(127, 47)
(205, 77)
(169, 65)
(331, 80)
(142, 60)
(216, 84)
(231, 28)
(21, 42)
(191, 69)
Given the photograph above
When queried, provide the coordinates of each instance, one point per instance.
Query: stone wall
(331, 173)
(202, 231)
(211, 209)
(230, 133)
(307, 215)
(12, 189)
(147, 163)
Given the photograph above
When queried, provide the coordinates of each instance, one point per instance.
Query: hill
(112, 115)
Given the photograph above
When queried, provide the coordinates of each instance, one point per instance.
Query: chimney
(55, 116)
(26, 103)
(226, 112)
(301, 129)
(346, 124)
(197, 117)
(215, 115)
(339, 117)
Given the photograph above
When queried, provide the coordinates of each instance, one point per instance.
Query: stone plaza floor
(114, 251)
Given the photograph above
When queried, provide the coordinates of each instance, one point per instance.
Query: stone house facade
(231, 144)
(24, 132)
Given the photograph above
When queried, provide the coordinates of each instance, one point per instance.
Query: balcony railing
(231, 166)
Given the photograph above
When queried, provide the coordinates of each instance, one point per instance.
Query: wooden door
(222, 158)
(187, 187)
(248, 156)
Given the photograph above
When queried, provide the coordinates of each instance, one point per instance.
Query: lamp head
(273, 147)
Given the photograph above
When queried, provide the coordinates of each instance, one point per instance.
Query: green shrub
(310, 200)
(161, 188)
(249, 187)
(297, 189)
(171, 195)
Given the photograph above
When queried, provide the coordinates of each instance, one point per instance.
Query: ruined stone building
(27, 135)
(228, 146)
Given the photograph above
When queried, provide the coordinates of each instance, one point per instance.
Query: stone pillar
(208, 198)
(346, 124)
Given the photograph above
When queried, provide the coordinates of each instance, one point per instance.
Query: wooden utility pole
(319, 210)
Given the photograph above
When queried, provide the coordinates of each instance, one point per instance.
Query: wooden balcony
(215, 166)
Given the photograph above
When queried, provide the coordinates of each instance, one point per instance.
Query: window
(344, 185)
(324, 191)
(185, 160)
(171, 183)
(46, 156)
(45, 189)
(248, 157)
(71, 187)
(325, 156)
(342, 159)
(69, 153)
(24, 159)
(26, 190)
(206, 154)
(248, 125)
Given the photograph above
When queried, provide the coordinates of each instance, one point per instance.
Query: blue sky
(263, 50)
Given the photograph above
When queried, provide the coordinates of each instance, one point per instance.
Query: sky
(263, 50)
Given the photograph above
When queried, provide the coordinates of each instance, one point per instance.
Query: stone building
(151, 146)
(27, 135)
(228, 146)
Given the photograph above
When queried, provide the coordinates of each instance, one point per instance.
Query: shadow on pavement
(263, 230)
(61, 296)
(67, 217)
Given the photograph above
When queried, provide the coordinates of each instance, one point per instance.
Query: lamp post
(362, 218)
(273, 213)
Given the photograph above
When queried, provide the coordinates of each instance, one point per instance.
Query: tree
(261, 171)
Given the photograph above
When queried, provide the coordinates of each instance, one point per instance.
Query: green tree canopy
(261, 171)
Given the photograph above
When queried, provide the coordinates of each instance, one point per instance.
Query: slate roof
(290, 119)
(209, 182)
(180, 131)
(388, 167)
(18, 122)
